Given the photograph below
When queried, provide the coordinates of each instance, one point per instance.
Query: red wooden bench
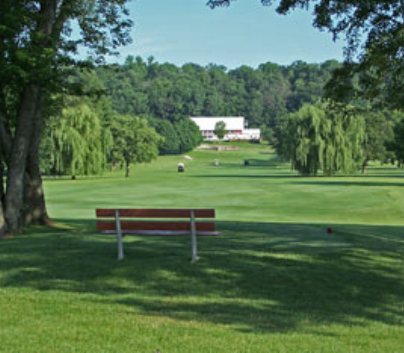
(156, 222)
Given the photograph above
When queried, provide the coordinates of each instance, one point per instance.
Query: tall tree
(77, 140)
(379, 134)
(220, 129)
(397, 144)
(134, 141)
(323, 138)
(171, 143)
(36, 45)
(189, 134)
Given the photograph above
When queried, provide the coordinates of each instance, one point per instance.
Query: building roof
(209, 122)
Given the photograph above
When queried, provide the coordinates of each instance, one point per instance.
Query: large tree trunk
(34, 197)
(1, 181)
(127, 168)
(2, 220)
(364, 165)
(5, 147)
(18, 158)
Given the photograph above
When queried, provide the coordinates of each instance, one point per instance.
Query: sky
(246, 33)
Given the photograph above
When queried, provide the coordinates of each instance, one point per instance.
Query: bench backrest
(156, 221)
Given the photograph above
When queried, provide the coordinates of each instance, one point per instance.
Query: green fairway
(274, 281)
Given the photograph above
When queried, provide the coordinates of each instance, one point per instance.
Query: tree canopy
(322, 138)
(220, 129)
(374, 45)
(379, 135)
(134, 141)
(76, 142)
(396, 145)
(170, 92)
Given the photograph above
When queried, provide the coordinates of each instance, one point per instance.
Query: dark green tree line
(168, 92)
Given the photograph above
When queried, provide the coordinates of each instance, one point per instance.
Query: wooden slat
(128, 226)
(156, 213)
(162, 232)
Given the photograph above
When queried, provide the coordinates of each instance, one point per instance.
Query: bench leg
(193, 239)
(119, 237)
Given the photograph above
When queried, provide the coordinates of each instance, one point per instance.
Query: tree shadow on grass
(261, 277)
(351, 183)
(280, 175)
(337, 180)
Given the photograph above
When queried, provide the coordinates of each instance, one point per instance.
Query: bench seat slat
(155, 213)
(128, 226)
(161, 232)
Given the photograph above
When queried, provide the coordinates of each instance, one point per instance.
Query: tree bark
(18, 158)
(5, 139)
(1, 181)
(2, 220)
(5, 148)
(34, 197)
(364, 165)
(127, 169)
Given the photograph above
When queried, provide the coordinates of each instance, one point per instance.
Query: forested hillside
(170, 92)
(316, 135)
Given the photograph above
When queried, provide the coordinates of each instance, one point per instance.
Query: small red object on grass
(329, 230)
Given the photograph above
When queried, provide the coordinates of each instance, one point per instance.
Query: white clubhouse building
(235, 128)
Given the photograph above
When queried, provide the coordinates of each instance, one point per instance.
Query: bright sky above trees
(180, 31)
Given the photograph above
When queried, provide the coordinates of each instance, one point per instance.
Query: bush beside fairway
(275, 281)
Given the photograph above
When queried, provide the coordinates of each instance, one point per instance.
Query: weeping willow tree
(323, 138)
(78, 143)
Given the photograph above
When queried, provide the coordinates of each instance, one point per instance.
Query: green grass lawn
(274, 281)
